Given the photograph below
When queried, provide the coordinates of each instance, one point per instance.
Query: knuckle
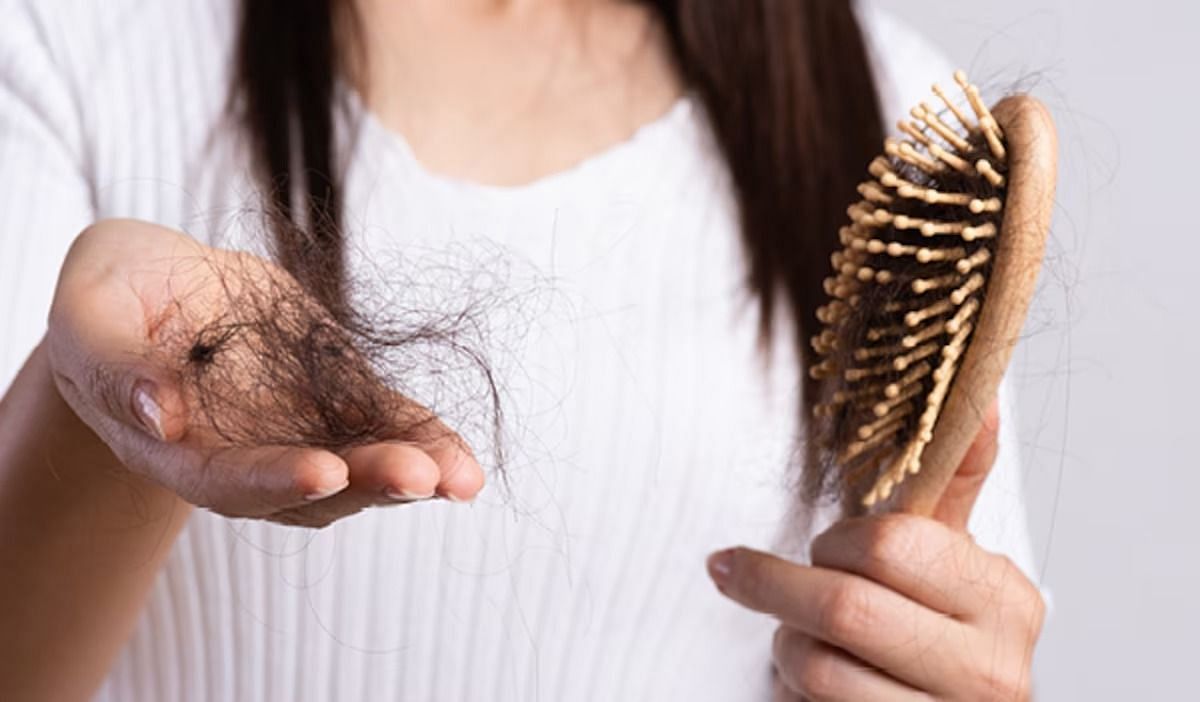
(1000, 687)
(894, 538)
(847, 613)
(1025, 595)
(314, 474)
(193, 480)
(780, 645)
(817, 673)
(1033, 595)
(413, 474)
(1007, 676)
(1007, 567)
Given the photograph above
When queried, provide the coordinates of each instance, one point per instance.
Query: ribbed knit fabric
(645, 429)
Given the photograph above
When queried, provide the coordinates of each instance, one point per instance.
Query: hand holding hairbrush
(929, 291)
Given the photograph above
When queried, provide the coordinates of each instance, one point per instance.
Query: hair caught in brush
(906, 296)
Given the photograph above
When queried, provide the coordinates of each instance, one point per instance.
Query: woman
(663, 177)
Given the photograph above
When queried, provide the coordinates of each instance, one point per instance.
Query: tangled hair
(790, 98)
(262, 361)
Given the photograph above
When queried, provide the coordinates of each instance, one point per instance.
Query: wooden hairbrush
(929, 294)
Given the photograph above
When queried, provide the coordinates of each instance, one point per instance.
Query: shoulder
(905, 62)
(106, 52)
(94, 34)
(134, 89)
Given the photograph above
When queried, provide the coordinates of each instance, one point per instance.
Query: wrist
(83, 540)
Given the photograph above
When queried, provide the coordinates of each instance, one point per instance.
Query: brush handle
(1033, 155)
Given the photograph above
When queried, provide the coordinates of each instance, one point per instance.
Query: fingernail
(720, 566)
(326, 492)
(406, 495)
(148, 412)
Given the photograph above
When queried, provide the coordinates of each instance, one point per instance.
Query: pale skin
(896, 606)
(96, 482)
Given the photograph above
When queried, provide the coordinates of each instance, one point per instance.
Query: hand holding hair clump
(215, 374)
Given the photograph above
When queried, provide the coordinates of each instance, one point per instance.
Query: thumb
(156, 408)
(954, 507)
(113, 291)
(114, 396)
(112, 387)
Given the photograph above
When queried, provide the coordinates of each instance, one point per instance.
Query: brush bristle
(907, 286)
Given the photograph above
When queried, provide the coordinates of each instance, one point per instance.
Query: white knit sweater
(645, 429)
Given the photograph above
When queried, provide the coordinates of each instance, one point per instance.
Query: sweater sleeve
(45, 198)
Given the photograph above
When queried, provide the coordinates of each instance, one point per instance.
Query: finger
(380, 475)
(873, 623)
(461, 475)
(780, 692)
(252, 482)
(920, 558)
(824, 673)
(954, 507)
(392, 472)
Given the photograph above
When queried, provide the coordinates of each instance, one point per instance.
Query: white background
(1108, 370)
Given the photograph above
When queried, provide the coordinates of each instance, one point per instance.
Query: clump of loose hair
(262, 362)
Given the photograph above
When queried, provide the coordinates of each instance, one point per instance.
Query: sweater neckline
(371, 130)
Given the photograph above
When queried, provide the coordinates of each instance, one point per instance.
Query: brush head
(929, 291)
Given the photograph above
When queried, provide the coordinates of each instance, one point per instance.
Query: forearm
(81, 540)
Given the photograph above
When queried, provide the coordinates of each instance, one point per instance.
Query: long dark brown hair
(786, 84)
